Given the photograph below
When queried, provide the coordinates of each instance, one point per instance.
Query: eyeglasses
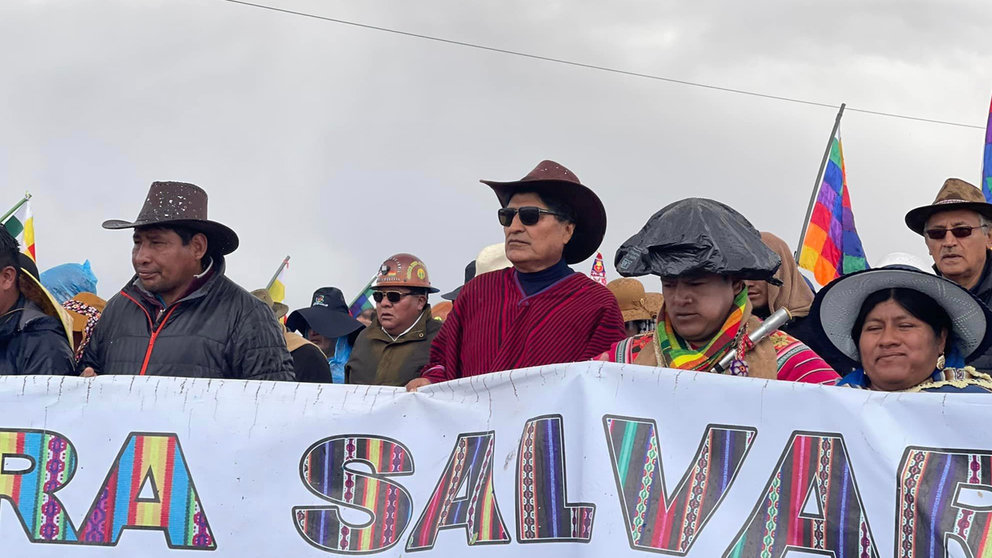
(392, 296)
(529, 215)
(958, 232)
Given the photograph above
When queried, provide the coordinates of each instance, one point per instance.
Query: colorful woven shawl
(681, 355)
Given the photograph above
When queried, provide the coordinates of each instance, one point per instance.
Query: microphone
(778, 318)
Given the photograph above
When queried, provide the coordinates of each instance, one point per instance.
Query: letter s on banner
(810, 503)
(32, 490)
(654, 519)
(324, 470)
(936, 502)
(149, 486)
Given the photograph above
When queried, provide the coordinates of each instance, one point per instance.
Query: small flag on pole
(363, 301)
(20, 225)
(987, 161)
(831, 246)
(598, 273)
(277, 290)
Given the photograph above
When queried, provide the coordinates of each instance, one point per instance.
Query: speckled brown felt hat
(182, 205)
(954, 194)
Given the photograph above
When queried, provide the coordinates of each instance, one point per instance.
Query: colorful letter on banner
(655, 520)
(811, 503)
(324, 471)
(944, 496)
(543, 512)
(32, 490)
(470, 467)
(149, 487)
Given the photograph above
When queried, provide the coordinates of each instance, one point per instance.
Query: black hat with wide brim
(697, 236)
(554, 179)
(182, 205)
(838, 304)
(327, 315)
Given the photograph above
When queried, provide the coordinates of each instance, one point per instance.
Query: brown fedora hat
(183, 205)
(555, 179)
(954, 194)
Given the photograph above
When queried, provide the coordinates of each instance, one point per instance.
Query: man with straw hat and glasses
(956, 228)
(180, 315)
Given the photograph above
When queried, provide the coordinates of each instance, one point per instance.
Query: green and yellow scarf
(681, 355)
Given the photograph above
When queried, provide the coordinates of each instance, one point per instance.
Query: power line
(598, 68)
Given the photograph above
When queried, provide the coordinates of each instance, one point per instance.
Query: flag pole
(819, 181)
(282, 266)
(24, 200)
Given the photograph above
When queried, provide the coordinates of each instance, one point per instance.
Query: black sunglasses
(958, 232)
(529, 215)
(391, 296)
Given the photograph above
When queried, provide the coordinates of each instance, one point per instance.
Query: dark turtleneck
(533, 283)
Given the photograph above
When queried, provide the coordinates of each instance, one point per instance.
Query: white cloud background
(341, 145)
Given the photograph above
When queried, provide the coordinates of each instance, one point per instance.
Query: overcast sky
(340, 145)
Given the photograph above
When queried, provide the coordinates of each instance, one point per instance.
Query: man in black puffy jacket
(180, 315)
(33, 339)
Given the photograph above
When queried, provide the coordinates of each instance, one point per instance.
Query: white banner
(573, 460)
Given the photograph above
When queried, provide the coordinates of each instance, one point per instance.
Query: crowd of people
(723, 285)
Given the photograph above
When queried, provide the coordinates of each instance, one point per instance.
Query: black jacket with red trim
(217, 331)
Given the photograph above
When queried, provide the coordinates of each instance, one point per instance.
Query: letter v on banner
(811, 503)
(654, 519)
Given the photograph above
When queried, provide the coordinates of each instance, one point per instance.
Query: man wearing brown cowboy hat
(393, 349)
(180, 315)
(33, 333)
(539, 311)
(957, 228)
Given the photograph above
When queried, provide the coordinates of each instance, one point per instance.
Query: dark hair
(9, 250)
(565, 213)
(920, 305)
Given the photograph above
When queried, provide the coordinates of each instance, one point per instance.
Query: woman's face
(898, 351)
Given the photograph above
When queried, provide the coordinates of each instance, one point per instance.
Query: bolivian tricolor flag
(20, 225)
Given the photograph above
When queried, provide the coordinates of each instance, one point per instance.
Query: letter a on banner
(543, 514)
(654, 519)
(945, 499)
(470, 472)
(811, 503)
(34, 464)
(149, 487)
(324, 469)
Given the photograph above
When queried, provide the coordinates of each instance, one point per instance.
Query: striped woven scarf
(681, 355)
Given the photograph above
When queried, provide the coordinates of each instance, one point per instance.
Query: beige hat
(492, 258)
(278, 308)
(653, 302)
(631, 298)
(954, 194)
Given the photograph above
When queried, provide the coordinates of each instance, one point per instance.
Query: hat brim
(220, 238)
(917, 218)
(279, 309)
(590, 214)
(636, 314)
(839, 303)
(328, 323)
(453, 294)
(32, 290)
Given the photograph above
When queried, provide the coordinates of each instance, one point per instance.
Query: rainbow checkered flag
(832, 247)
(363, 301)
(987, 160)
(20, 225)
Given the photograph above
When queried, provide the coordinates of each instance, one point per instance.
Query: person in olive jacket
(180, 315)
(393, 349)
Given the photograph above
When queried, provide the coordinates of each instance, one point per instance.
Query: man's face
(757, 293)
(697, 306)
(164, 265)
(538, 246)
(958, 259)
(396, 317)
(325, 344)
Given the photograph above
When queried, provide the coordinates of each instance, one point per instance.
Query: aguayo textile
(571, 460)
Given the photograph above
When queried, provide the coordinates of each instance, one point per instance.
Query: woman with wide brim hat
(905, 330)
